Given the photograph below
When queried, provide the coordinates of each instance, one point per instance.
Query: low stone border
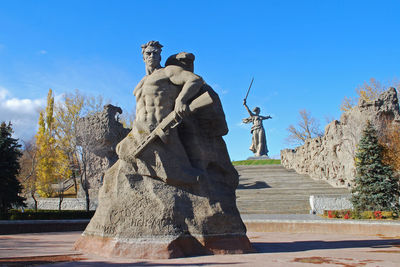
(309, 225)
(334, 202)
(319, 203)
(333, 226)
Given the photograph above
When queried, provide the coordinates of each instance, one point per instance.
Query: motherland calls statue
(258, 141)
(172, 191)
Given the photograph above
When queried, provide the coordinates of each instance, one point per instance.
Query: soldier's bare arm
(191, 85)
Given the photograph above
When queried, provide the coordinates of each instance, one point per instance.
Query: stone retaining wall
(67, 204)
(331, 157)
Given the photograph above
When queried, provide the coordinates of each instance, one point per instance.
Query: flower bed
(356, 215)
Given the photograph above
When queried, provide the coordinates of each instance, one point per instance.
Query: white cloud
(23, 113)
(3, 93)
(22, 106)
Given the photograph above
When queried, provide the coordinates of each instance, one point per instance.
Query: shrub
(48, 215)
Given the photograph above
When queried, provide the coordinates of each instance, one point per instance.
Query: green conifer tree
(376, 188)
(10, 152)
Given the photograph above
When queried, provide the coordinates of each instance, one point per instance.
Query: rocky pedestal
(141, 217)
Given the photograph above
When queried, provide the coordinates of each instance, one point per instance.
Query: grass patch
(256, 162)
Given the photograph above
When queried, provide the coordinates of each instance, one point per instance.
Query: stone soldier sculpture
(258, 141)
(172, 191)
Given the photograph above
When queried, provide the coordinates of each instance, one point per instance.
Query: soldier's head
(152, 54)
(256, 110)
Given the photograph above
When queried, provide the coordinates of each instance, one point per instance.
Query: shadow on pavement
(102, 263)
(78, 260)
(296, 246)
(252, 185)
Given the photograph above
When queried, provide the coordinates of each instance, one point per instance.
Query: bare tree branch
(307, 127)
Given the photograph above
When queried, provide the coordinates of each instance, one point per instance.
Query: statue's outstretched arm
(266, 118)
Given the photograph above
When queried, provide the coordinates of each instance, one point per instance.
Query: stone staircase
(272, 189)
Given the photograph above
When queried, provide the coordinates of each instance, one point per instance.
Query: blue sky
(302, 54)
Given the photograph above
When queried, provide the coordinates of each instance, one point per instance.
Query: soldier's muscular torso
(158, 93)
(155, 98)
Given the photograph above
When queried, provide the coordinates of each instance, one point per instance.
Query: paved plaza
(273, 249)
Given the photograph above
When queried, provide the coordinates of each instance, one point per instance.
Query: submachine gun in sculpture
(171, 121)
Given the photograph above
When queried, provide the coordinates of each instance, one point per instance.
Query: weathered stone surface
(175, 195)
(164, 248)
(331, 157)
(100, 133)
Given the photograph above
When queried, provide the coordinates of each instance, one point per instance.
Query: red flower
(330, 214)
(378, 214)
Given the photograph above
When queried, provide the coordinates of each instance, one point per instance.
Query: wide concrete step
(272, 189)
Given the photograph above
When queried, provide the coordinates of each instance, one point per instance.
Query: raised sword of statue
(171, 121)
(248, 90)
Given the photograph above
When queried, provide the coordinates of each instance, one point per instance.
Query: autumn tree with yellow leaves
(68, 112)
(390, 140)
(52, 167)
